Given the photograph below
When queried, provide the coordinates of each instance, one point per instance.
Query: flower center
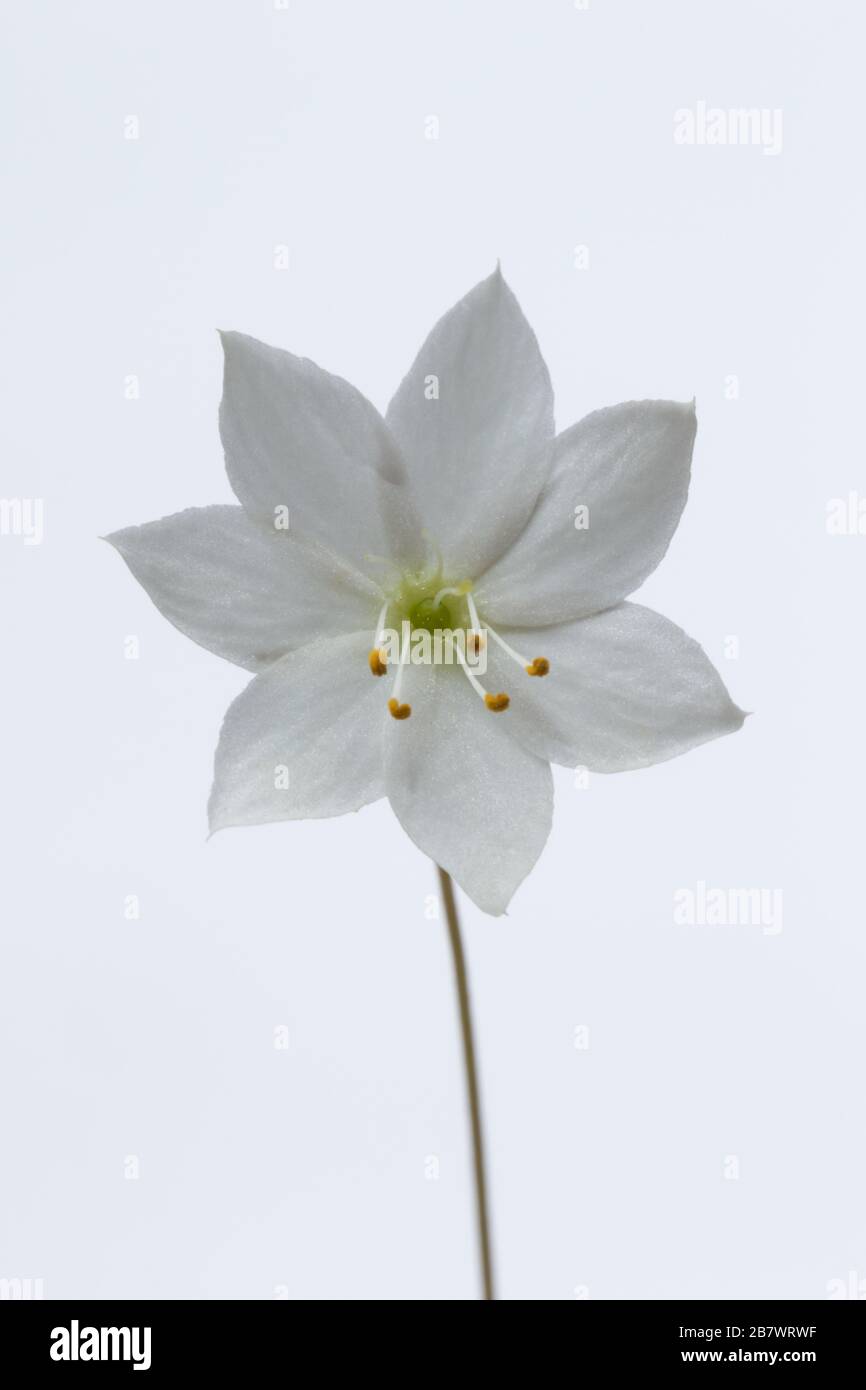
(432, 614)
(448, 613)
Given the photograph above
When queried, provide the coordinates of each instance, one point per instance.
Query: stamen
(475, 636)
(538, 666)
(378, 658)
(397, 710)
(496, 703)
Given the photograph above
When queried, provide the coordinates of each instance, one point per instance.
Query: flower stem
(473, 1093)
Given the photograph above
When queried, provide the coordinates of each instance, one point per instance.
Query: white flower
(459, 509)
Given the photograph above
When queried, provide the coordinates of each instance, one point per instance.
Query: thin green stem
(472, 1091)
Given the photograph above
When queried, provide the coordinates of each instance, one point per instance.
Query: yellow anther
(476, 642)
(378, 661)
(497, 702)
(539, 666)
(397, 710)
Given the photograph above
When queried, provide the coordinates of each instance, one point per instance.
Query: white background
(305, 1168)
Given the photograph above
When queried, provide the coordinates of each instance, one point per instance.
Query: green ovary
(416, 600)
(430, 615)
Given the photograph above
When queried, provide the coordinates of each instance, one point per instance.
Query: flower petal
(629, 466)
(468, 795)
(626, 689)
(297, 437)
(477, 452)
(303, 740)
(240, 589)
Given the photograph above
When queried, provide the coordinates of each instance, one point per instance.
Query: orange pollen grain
(378, 663)
(397, 710)
(497, 702)
(539, 666)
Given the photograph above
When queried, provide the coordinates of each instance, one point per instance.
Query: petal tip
(230, 340)
(115, 538)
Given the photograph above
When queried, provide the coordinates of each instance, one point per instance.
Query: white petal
(626, 689)
(629, 465)
(479, 454)
(468, 795)
(297, 437)
(313, 720)
(242, 590)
